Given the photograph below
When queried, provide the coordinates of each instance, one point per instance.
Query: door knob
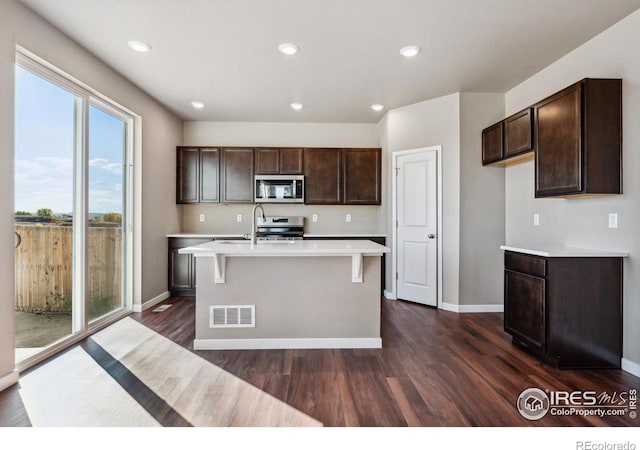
(431, 236)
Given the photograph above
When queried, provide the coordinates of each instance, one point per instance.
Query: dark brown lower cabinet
(524, 318)
(566, 311)
(182, 268)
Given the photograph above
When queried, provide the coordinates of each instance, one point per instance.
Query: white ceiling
(224, 52)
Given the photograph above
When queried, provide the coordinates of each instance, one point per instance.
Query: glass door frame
(84, 98)
(127, 223)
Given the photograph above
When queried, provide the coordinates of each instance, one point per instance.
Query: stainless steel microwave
(279, 189)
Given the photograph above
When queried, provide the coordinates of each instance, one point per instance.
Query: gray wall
(432, 122)
(481, 204)
(583, 222)
(473, 196)
(221, 219)
(162, 132)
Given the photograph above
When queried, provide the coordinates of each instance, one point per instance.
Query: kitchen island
(287, 294)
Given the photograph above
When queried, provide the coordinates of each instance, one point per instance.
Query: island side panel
(295, 297)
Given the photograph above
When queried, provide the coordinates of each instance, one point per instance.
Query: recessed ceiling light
(288, 48)
(410, 51)
(139, 46)
(198, 105)
(377, 107)
(297, 106)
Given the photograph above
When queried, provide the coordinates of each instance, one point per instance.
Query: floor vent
(232, 316)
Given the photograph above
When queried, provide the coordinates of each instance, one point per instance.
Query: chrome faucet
(253, 222)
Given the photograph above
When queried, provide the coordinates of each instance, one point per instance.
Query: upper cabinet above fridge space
(574, 136)
(509, 140)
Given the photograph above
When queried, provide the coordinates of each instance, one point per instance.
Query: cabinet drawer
(519, 262)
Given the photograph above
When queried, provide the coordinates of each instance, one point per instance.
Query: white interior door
(417, 229)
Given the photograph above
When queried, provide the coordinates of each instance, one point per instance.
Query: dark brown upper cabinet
(362, 173)
(291, 161)
(268, 161)
(323, 176)
(518, 133)
(273, 161)
(350, 176)
(237, 175)
(187, 175)
(492, 144)
(197, 175)
(578, 133)
(508, 141)
(209, 175)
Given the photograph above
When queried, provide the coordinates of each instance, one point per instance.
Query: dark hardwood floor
(436, 368)
(12, 410)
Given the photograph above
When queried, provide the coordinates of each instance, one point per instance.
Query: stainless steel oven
(279, 189)
(280, 228)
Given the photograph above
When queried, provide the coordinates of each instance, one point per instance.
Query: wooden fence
(44, 266)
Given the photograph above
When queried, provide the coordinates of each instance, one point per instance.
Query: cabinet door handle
(431, 236)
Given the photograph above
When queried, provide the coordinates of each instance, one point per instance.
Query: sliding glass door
(45, 145)
(73, 203)
(106, 189)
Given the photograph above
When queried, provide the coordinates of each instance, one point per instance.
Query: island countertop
(306, 235)
(287, 248)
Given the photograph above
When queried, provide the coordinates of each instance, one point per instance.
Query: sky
(44, 141)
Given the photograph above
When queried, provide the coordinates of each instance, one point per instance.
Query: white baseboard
(471, 308)
(389, 295)
(632, 367)
(266, 344)
(151, 303)
(9, 380)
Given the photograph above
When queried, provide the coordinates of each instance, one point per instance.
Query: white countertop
(307, 235)
(553, 251)
(288, 248)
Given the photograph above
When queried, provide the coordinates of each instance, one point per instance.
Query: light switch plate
(348, 218)
(239, 218)
(536, 219)
(613, 220)
(314, 218)
(201, 217)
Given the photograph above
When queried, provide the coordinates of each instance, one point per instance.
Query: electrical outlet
(536, 219)
(314, 218)
(201, 217)
(613, 220)
(348, 218)
(239, 218)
